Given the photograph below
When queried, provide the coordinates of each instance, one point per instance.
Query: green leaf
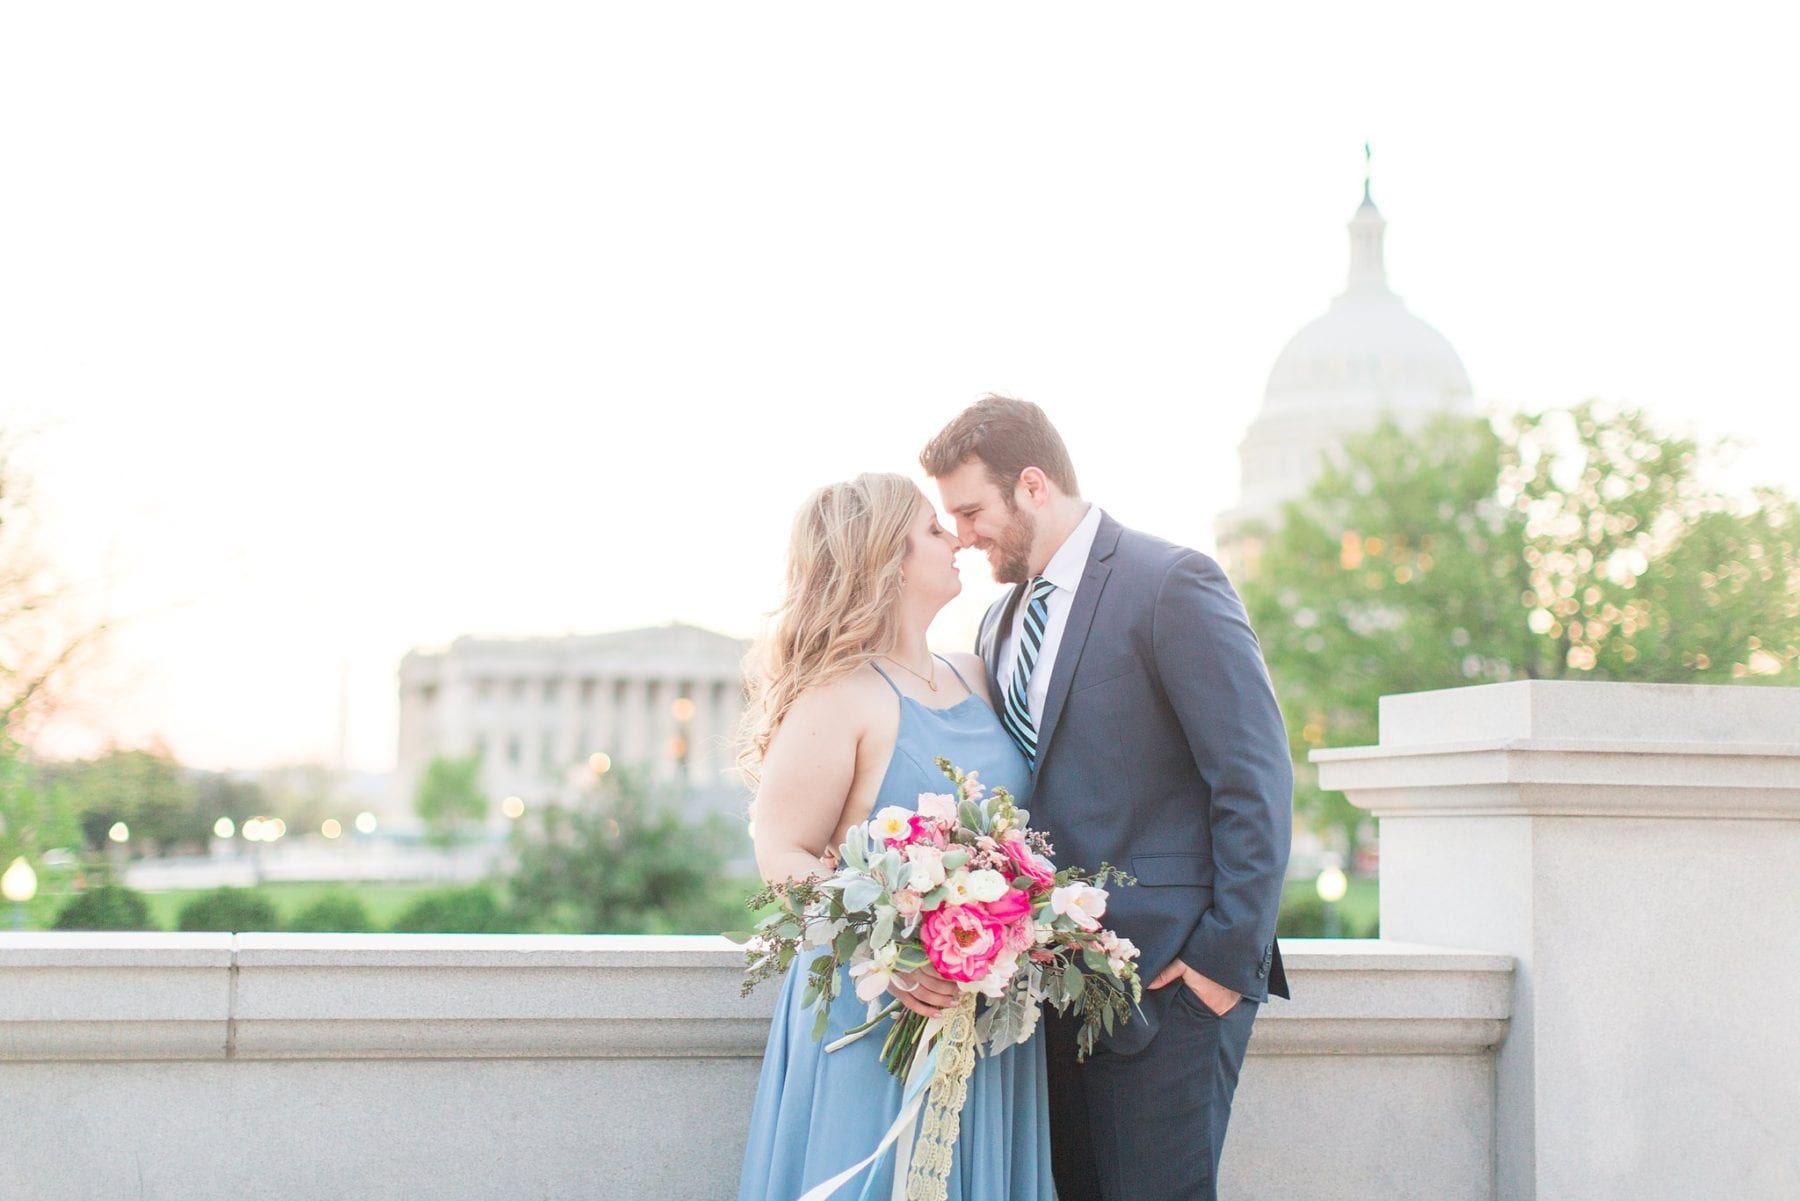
(860, 893)
(1073, 984)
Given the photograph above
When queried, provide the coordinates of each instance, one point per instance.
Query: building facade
(1367, 357)
(549, 715)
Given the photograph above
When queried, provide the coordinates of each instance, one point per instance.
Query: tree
(42, 641)
(145, 789)
(449, 797)
(1579, 544)
(618, 863)
(43, 635)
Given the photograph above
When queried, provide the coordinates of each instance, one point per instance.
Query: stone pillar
(633, 737)
(1636, 848)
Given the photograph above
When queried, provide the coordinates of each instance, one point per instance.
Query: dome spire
(1368, 274)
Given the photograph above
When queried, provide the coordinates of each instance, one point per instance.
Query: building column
(1636, 849)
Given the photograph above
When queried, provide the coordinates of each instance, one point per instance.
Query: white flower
(891, 822)
(873, 972)
(972, 788)
(927, 867)
(994, 984)
(987, 885)
(1082, 904)
(958, 886)
(1120, 953)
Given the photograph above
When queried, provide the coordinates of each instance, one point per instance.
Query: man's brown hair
(1008, 436)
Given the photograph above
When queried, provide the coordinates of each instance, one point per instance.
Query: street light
(19, 885)
(1332, 884)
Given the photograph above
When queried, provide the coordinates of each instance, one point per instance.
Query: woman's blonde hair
(841, 607)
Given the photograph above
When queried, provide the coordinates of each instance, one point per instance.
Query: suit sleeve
(1211, 669)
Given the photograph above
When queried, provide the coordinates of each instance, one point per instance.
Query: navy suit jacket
(1161, 751)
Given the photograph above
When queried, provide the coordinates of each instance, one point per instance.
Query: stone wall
(193, 1067)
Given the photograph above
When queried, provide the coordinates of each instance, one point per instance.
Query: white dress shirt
(1064, 570)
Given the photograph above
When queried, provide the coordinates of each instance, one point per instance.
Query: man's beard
(1013, 566)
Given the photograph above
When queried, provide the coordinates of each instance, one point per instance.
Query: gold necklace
(930, 681)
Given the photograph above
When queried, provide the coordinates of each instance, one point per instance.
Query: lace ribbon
(929, 1172)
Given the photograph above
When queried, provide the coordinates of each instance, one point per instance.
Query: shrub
(337, 912)
(105, 907)
(229, 910)
(472, 910)
(1303, 916)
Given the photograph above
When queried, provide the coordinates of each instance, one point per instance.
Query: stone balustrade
(199, 1066)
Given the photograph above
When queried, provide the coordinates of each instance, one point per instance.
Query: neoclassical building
(1367, 356)
(547, 714)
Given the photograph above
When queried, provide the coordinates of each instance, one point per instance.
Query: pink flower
(940, 805)
(1012, 905)
(1013, 912)
(962, 941)
(1028, 866)
(927, 830)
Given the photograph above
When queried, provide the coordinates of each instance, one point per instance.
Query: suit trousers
(1148, 1126)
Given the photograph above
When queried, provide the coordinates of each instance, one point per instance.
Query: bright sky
(347, 328)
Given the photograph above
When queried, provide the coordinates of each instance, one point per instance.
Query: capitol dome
(1365, 358)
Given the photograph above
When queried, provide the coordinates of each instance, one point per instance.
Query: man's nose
(965, 533)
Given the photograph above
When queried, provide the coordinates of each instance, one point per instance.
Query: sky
(332, 330)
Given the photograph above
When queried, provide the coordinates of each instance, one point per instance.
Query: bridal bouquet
(962, 884)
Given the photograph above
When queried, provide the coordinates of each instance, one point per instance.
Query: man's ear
(1033, 487)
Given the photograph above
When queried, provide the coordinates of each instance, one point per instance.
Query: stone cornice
(1566, 778)
(346, 996)
(1576, 748)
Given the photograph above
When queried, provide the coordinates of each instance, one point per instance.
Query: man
(1127, 672)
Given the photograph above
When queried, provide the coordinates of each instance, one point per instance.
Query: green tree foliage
(230, 910)
(449, 798)
(105, 907)
(619, 863)
(471, 910)
(337, 912)
(35, 815)
(1582, 544)
(148, 791)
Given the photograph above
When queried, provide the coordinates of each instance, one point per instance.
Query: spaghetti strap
(953, 671)
(890, 680)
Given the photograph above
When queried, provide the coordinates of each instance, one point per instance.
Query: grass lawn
(383, 901)
(1361, 904)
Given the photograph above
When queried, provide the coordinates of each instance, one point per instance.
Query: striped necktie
(1015, 715)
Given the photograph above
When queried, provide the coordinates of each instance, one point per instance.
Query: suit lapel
(993, 633)
(1075, 631)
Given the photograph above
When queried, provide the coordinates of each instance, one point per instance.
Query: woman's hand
(924, 991)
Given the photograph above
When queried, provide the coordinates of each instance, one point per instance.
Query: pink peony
(962, 941)
(1028, 866)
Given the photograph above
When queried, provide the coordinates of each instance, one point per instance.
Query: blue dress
(818, 1113)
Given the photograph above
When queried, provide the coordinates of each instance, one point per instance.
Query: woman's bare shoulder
(848, 703)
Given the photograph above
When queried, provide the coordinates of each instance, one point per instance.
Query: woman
(848, 710)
